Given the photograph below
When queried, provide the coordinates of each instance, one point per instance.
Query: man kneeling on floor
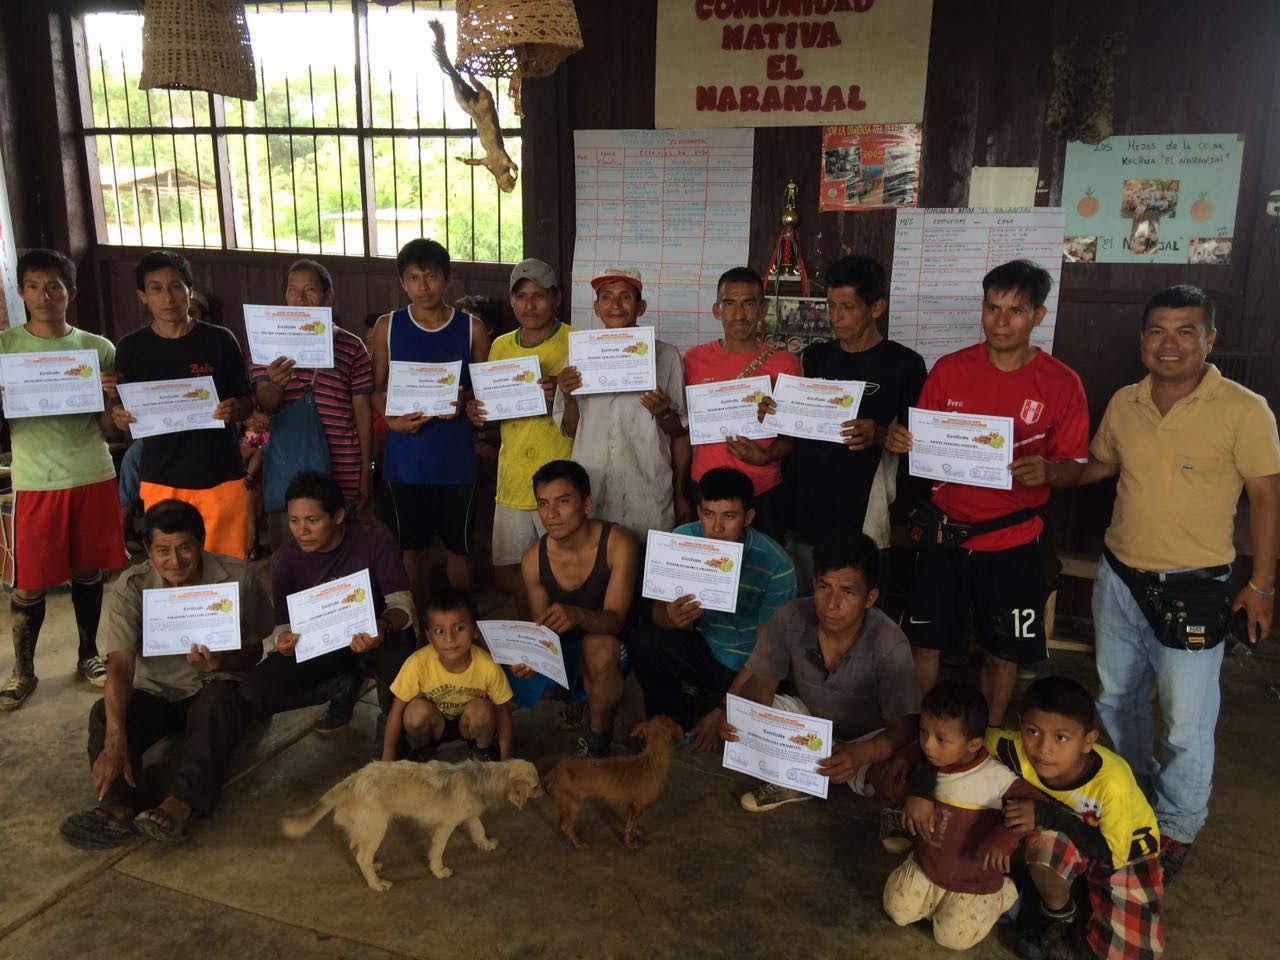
(844, 661)
(148, 697)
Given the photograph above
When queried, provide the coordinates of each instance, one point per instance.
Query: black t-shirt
(832, 482)
(194, 459)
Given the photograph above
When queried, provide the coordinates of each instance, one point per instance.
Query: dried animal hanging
(198, 45)
(1082, 101)
(479, 105)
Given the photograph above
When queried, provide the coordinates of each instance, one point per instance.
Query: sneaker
(489, 754)
(573, 715)
(336, 717)
(1173, 854)
(1045, 938)
(601, 747)
(769, 796)
(893, 835)
(94, 670)
(16, 690)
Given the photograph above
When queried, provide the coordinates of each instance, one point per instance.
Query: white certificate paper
(814, 409)
(50, 384)
(538, 648)
(301, 334)
(778, 746)
(171, 406)
(177, 618)
(426, 388)
(614, 361)
(676, 565)
(509, 388)
(957, 448)
(728, 408)
(328, 616)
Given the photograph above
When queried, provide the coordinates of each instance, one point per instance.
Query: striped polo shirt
(352, 375)
(768, 580)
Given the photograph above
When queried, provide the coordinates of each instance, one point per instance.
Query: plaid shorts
(1125, 924)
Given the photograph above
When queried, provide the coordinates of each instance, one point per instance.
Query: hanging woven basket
(526, 38)
(198, 45)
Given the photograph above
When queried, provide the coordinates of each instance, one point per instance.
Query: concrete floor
(803, 881)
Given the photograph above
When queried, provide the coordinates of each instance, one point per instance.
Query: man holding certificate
(66, 524)
(637, 463)
(979, 550)
(580, 577)
(430, 461)
(340, 392)
(739, 356)
(844, 661)
(149, 696)
(201, 467)
(684, 643)
(327, 547)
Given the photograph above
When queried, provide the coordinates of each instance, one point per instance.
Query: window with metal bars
(351, 147)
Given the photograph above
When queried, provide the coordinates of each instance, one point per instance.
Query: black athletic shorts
(420, 511)
(1004, 591)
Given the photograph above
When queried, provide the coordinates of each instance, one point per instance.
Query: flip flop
(97, 830)
(166, 831)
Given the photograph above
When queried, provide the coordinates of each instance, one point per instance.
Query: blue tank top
(443, 451)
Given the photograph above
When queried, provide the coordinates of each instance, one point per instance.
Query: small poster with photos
(792, 323)
(870, 166)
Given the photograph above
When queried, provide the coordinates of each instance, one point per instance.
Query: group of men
(579, 487)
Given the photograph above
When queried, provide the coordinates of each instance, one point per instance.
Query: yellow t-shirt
(424, 676)
(1181, 474)
(530, 442)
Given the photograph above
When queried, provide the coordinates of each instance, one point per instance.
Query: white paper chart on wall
(673, 204)
(940, 256)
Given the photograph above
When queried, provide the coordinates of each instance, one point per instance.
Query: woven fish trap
(528, 38)
(198, 45)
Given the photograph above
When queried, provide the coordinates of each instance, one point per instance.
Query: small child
(450, 690)
(956, 876)
(1102, 829)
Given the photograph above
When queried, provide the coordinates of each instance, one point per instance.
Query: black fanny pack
(1188, 610)
(928, 528)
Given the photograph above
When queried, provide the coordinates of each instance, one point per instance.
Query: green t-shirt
(54, 453)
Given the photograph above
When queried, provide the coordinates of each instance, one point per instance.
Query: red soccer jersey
(1050, 419)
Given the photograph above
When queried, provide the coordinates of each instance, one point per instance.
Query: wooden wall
(1188, 67)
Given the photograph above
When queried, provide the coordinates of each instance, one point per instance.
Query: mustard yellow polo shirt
(1181, 474)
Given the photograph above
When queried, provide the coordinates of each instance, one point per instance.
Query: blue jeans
(1130, 661)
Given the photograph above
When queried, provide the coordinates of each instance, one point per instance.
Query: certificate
(676, 565)
(955, 448)
(301, 334)
(777, 746)
(538, 648)
(814, 409)
(50, 384)
(427, 388)
(328, 616)
(614, 361)
(176, 619)
(728, 408)
(171, 406)
(509, 388)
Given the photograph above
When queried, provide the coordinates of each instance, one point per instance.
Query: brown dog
(634, 781)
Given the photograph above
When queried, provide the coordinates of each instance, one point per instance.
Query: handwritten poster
(673, 204)
(870, 166)
(939, 259)
(758, 63)
(1169, 198)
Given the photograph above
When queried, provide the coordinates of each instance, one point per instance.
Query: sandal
(163, 828)
(96, 829)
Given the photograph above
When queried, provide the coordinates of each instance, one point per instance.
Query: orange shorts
(55, 531)
(224, 509)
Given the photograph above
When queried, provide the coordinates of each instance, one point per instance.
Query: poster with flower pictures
(1167, 198)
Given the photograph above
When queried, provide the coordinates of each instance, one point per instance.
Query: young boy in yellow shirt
(450, 690)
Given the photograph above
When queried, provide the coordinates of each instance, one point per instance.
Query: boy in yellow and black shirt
(1102, 829)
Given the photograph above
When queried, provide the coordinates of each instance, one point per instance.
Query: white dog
(440, 796)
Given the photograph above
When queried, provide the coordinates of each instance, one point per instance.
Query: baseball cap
(535, 270)
(625, 274)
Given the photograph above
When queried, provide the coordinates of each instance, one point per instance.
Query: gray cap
(535, 270)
